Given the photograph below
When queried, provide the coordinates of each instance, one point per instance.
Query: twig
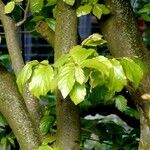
(25, 15)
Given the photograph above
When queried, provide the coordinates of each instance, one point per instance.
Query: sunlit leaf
(48, 139)
(25, 74)
(79, 54)
(18, 1)
(120, 102)
(62, 60)
(66, 79)
(94, 40)
(9, 7)
(45, 124)
(51, 23)
(36, 5)
(94, 63)
(40, 82)
(44, 147)
(117, 79)
(133, 71)
(78, 93)
(69, 2)
(83, 10)
(103, 8)
(97, 11)
(79, 75)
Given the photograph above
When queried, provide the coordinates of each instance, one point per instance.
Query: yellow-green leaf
(41, 80)
(25, 74)
(83, 10)
(69, 2)
(95, 39)
(9, 7)
(97, 11)
(78, 93)
(79, 75)
(66, 79)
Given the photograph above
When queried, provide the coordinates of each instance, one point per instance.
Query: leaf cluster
(82, 66)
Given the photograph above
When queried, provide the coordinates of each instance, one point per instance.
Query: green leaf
(40, 82)
(133, 71)
(4, 143)
(145, 9)
(69, 2)
(104, 8)
(62, 60)
(79, 54)
(66, 79)
(97, 11)
(96, 79)
(94, 40)
(120, 102)
(51, 2)
(78, 93)
(117, 79)
(18, 1)
(94, 63)
(51, 23)
(44, 147)
(146, 17)
(3, 121)
(49, 139)
(93, 1)
(83, 10)
(100, 63)
(9, 7)
(101, 94)
(25, 74)
(36, 5)
(79, 75)
(45, 124)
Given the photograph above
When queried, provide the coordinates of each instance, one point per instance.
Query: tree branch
(17, 62)
(124, 40)
(25, 15)
(46, 32)
(11, 40)
(14, 110)
(68, 129)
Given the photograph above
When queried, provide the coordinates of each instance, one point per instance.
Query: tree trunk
(124, 40)
(13, 108)
(68, 130)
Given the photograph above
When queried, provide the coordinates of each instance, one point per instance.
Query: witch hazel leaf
(41, 80)
(25, 74)
(66, 79)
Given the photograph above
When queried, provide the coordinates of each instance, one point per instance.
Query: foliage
(71, 77)
(108, 133)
